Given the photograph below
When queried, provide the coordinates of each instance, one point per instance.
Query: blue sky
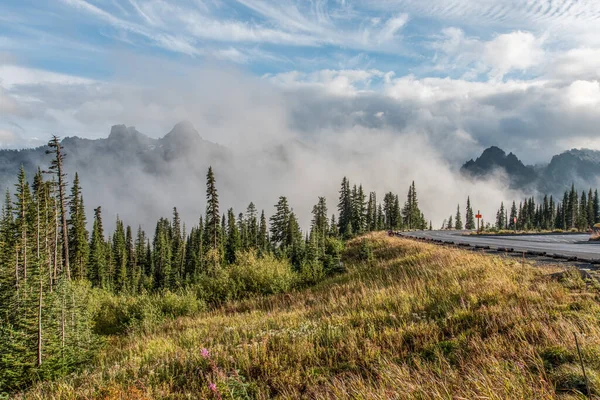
(437, 58)
(79, 36)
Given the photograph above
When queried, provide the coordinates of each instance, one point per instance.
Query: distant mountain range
(581, 167)
(125, 147)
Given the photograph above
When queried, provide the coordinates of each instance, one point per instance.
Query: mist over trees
(54, 271)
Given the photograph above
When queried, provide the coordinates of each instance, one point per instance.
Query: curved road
(559, 245)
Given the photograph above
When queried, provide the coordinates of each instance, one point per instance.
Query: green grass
(414, 321)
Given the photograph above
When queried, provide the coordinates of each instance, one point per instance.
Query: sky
(459, 74)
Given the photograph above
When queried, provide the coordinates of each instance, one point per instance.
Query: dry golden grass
(419, 322)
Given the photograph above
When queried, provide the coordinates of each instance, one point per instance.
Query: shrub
(311, 272)
(116, 314)
(264, 275)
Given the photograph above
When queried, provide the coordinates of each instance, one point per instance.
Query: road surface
(560, 245)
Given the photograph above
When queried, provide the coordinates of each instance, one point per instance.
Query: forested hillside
(408, 320)
(63, 288)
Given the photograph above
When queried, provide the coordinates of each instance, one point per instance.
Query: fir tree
(212, 229)
(233, 238)
(78, 234)
(470, 217)
(345, 208)
(263, 233)
(279, 223)
(56, 167)
(97, 264)
(252, 223)
(458, 225)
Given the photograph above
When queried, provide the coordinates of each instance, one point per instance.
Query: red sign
(515, 219)
(478, 216)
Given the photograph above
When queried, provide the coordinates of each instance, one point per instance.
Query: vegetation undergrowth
(408, 320)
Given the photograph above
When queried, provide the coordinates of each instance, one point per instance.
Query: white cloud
(584, 94)
(391, 27)
(577, 63)
(512, 51)
(11, 75)
(509, 52)
(336, 82)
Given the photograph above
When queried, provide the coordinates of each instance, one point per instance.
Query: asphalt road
(560, 245)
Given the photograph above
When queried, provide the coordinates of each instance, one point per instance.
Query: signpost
(478, 216)
(515, 221)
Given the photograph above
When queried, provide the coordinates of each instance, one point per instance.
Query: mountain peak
(183, 132)
(494, 158)
(122, 132)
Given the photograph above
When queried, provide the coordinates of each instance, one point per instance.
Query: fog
(277, 142)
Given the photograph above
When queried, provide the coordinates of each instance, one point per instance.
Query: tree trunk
(39, 349)
(63, 213)
(24, 233)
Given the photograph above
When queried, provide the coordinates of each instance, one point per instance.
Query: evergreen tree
(458, 225)
(78, 234)
(345, 208)
(212, 229)
(513, 216)
(263, 233)
(279, 223)
(582, 222)
(23, 221)
(252, 223)
(56, 167)
(234, 243)
(119, 257)
(470, 217)
(380, 218)
(97, 264)
(596, 207)
(320, 225)
(162, 255)
(294, 242)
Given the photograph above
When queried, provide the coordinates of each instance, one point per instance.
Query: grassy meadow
(408, 320)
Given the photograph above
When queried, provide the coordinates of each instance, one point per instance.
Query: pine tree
(279, 223)
(177, 248)
(252, 225)
(513, 216)
(161, 255)
(212, 229)
(582, 222)
(119, 257)
(233, 238)
(572, 208)
(263, 233)
(333, 228)
(22, 223)
(345, 208)
(501, 218)
(295, 244)
(78, 234)
(380, 219)
(591, 217)
(320, 225)
(596, 207)
(470, 217)
(458, 225)
(97, 264)
(56, 167)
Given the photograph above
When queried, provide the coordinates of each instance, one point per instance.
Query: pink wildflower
(204, 353)
(212, 387)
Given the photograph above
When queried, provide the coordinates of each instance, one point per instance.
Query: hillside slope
(419, 321)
